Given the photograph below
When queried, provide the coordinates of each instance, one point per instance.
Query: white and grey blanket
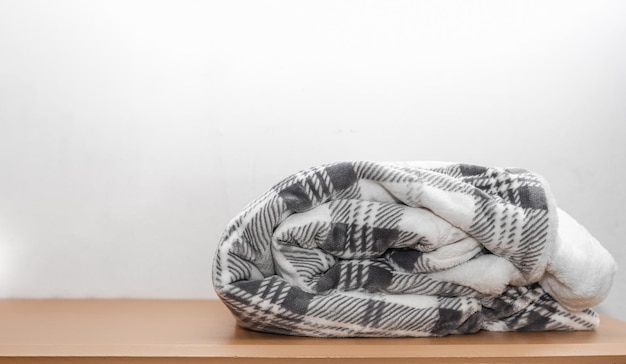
(409, 249)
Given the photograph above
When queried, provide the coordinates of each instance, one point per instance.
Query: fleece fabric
(362, 249)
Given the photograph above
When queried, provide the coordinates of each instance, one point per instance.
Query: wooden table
(203, 331)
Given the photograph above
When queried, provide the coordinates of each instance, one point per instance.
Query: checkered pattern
(394, 249)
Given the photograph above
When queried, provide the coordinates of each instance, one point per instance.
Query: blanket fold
(409, 249)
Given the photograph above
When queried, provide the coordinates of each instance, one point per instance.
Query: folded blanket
(409, 249)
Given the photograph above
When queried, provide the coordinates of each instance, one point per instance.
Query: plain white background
(131, 132)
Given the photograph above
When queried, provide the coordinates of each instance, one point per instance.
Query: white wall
(132, 131)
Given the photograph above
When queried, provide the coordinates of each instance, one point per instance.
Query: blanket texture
(409, 249)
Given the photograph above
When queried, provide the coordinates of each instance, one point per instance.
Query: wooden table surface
(203, 331)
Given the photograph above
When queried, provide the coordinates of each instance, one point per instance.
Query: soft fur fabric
(409, 249)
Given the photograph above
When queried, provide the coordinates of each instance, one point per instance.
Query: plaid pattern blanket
(406, 249)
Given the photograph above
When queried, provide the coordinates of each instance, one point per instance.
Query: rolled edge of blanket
(504, 201)
(580, 272)
(552, 232)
